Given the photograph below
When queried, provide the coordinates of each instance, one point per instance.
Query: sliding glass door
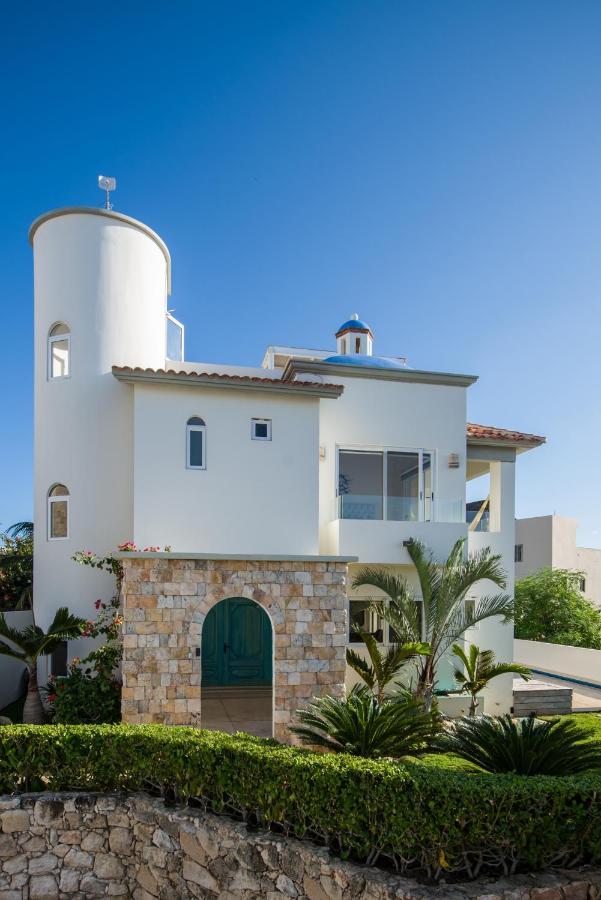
(396, 485)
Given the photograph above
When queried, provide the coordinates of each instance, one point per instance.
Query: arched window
(59, 351)
(196, 445)
(58, 513)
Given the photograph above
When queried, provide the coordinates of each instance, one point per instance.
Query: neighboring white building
(315, 454)
(549, 542)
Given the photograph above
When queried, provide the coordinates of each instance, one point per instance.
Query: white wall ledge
(240, 557)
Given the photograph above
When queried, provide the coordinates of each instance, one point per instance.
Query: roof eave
(417, 376)
(193, 379)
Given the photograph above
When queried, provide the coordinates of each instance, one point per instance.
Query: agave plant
(444, 588)
(522, 746)
(384, 666)
(359, 725)
(479, 667)
(31, 642)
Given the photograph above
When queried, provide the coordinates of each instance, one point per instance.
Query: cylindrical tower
(101, 281)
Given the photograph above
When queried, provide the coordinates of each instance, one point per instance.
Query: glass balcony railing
(375, 507)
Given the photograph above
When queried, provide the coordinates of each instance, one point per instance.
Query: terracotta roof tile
(491, 433)
(224, 378)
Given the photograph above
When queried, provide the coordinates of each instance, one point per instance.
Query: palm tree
(446, 616)
(524, 747)
(32, 642)
(359, 725)
(21, 530)
(479, 667)
(384, 667)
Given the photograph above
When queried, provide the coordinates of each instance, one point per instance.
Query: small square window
(261, 429)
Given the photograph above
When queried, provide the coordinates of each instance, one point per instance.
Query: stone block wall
(56, 846)
(165, 601)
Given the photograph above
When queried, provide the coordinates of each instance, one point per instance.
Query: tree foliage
(444, 588)
(29, 643)
(383, 667)
(550, 607)
(478, 668)
(16, 569)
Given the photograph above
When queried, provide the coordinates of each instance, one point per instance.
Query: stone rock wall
(92, 845)
(165, 601)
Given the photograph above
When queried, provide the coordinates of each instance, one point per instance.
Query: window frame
(190, 428)
(50, 500)
(386, 627)
(518, 553)
(53, 339)
(421, 453)
(254, 436)
(169, 318)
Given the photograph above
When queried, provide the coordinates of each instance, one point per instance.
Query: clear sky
(433, 166)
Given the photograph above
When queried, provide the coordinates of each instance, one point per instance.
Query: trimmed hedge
(418, 817)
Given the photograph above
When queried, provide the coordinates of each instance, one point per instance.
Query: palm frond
(20, 530)
(395, 587)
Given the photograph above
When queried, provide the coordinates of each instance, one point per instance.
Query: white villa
(270, 485)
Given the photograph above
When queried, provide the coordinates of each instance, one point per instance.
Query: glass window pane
(175, 340)
(428, 487)
(58, 518)
(362, 615)
(59, 490)
(195, 438)
(60, 328)
(59, 360)
(403, 486)
(360, 483)
(261, 429)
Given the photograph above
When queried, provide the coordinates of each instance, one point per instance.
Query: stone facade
(57, 846)
(166, 599)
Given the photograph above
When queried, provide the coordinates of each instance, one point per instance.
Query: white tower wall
(107, 277)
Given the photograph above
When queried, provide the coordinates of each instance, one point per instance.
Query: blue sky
(433, 166)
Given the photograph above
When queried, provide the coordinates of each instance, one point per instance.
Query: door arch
(237, 645)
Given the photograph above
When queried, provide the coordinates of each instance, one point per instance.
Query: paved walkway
(237, 709)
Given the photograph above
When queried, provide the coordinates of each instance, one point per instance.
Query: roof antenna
(107, 184)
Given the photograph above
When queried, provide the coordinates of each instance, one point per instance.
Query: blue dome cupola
(354, 338)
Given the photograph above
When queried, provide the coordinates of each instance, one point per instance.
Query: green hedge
(419, 817)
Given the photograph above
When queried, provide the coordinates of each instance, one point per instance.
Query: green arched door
(236, 644)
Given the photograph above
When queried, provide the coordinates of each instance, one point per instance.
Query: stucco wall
(107, 280)
(166, 601)
(559, 659)
(253, 497)
(378, 414)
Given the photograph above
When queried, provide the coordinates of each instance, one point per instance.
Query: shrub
(361, 725)
(417, 817)
(526, 747)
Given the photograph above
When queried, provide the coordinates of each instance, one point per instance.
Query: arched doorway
(237, 668)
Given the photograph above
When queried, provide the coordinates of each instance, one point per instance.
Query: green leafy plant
(522, 746)
(31, 642)
(550, 607)
(412, 816)
(478, 668)
(444, 589)
(384, 666)
(16, 568)
(91, 691)
(360, 725)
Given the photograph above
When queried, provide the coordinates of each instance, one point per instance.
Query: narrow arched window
(59, 351)
(58, 513)
(196, 444)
